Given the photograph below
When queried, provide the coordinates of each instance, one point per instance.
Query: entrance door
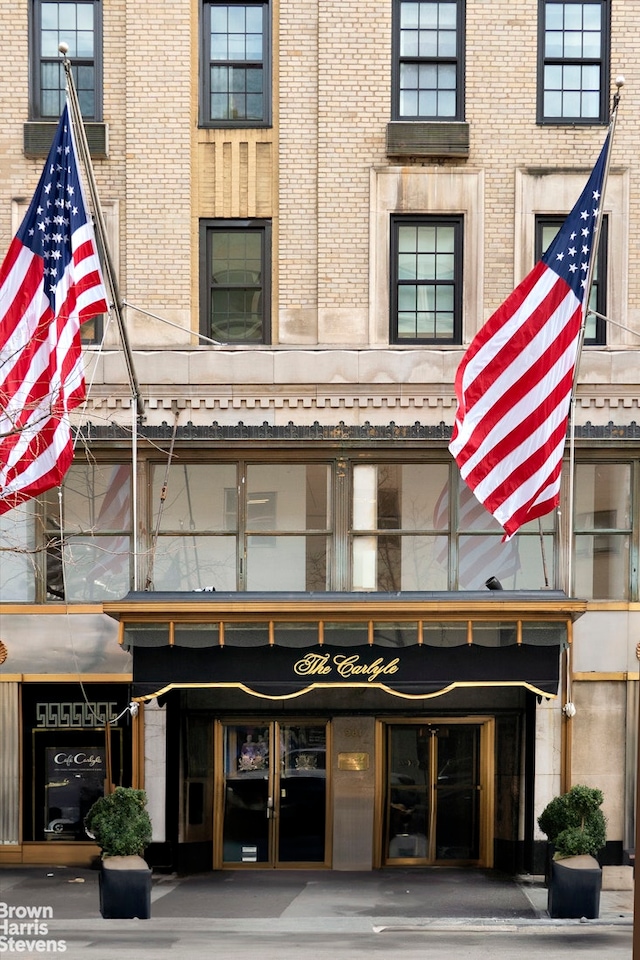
(272, 802)
(438, 796)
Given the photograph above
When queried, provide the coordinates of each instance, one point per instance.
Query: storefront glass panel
(286, 562)
(196, 562)
(246, 794)
(602, 525)
(66, 761)
(433, 789)
(274, 798)
(302, 793)
(18, 537)
(74, 780)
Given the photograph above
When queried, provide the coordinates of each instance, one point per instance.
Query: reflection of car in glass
(236, 305)
(408, 817)
(456, 771)
(61, 825)
(63, 819)
(458, 806)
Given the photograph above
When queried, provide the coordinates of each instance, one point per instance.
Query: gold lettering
(312, 665)
(350, 666)
(320, 664)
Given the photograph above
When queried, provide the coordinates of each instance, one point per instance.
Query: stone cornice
(202, 402)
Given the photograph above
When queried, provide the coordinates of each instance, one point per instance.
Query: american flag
(514, 382)
(50, 283)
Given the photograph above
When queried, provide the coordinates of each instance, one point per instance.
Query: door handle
(270, 808)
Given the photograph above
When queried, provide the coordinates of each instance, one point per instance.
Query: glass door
(272, 808)
(437, 798)
(248, 793)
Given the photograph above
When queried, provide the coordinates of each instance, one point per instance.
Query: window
(400, 530)
(235, 280)
(91, 331)
(78, 24)
(602, 530)
(286, 527)
(595, 328)
(409, 533)
(91, 560)
(274, 538)
(235, 75)
(426, 278)
(428, 60)
(526, 562)
(63, 735)
(196, 526)
(18, 553)
(573, 51)
(332, 521)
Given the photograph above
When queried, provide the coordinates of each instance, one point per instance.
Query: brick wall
(311, 172)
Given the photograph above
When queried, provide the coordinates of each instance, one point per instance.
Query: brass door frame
(274, 794)
(486, 787)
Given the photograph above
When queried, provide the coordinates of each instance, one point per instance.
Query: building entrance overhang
(279, 646)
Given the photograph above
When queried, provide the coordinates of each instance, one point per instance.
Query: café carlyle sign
(345, 666)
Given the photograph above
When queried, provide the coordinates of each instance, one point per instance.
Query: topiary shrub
(574, 822)
(120, 823)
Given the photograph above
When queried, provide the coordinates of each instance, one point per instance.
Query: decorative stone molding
(339, 432)
(434, 397)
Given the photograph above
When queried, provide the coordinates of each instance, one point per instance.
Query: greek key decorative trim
(75, 715)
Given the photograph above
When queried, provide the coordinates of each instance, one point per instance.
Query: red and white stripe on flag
(480, 551)
(50, 283)
(514, 382)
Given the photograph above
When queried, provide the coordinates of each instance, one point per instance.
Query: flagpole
(612, 123)
(568, 525)
(585, 310)
(112, 282)
(101, 230)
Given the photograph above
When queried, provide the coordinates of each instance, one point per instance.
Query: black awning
(282, 672)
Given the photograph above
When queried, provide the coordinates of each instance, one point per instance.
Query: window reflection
(89, 560)
(19, 556)
(602, 524)
(386, 526)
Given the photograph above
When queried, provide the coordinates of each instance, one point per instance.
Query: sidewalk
(433, 897)
(616, 906)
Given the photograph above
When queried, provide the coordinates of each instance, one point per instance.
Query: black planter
(125, 888)
(574, 888)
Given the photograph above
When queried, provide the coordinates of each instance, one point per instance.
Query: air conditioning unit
(38, 135)
(427, 139)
